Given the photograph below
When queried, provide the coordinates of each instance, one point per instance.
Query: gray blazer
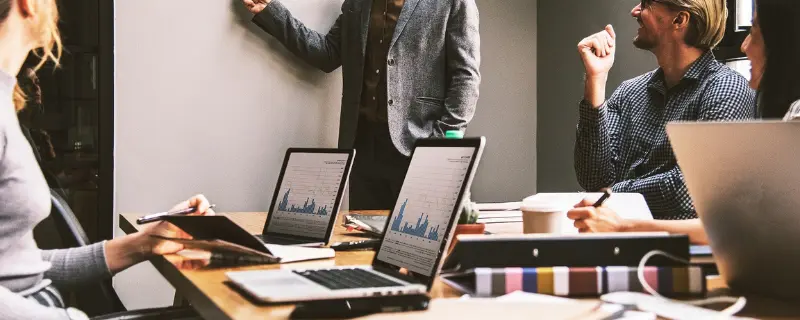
(432, 69)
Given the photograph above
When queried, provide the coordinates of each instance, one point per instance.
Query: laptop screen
(419, 223)
(308, 193)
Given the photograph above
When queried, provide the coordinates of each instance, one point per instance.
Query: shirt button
(378, 71)
(381, 41)
(391, 102)
(391, 62)
(373, 99)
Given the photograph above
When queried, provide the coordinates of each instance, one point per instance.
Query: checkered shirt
(624, 145)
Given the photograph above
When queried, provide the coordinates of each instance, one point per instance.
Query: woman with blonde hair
(29, 277)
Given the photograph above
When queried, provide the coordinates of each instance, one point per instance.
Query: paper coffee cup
(544, 213)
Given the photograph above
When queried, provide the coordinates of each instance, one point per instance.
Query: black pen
(160, 215)
(603, 198)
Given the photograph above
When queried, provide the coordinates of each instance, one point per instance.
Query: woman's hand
(157, 246)
(129, 250)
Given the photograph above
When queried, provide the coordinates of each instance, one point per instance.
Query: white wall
(206, 102)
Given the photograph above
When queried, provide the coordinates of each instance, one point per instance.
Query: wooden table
(206, 290)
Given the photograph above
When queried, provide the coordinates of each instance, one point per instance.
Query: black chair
(107, 301)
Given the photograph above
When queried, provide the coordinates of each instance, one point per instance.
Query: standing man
(622, 142)
(410, 71)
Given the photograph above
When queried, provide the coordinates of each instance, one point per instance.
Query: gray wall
(506, 112)
(207, 103)
(563, 23)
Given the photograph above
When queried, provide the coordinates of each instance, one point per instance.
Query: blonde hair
(707, 23)
(49, 47)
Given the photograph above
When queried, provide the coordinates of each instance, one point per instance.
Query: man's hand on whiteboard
(256, 6)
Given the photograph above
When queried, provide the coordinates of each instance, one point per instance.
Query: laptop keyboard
(338, 279)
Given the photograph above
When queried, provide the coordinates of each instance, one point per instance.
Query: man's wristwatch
(75, 314)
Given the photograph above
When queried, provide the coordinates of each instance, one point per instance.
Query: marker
(603, 198)
(160, 215)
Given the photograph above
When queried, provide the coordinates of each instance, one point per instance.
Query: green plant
(469, 214)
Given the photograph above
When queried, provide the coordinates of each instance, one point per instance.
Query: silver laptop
(744, 179)
(417, 233)
(307, 197)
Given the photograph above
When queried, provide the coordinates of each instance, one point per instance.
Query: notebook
(218, 234)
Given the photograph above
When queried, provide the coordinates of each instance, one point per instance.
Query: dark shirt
(624, 145)
(383, 19)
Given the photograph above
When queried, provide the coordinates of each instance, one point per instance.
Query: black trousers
(379, 169)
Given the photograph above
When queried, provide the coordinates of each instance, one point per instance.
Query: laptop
(744, 179)
(308, 196)
(410, 253)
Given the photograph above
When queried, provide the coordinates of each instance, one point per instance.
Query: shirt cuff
(591, 115)
(622, 187)
(272, 11)
(99, 256)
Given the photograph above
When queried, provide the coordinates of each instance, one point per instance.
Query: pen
(603, 198)
(158, 216)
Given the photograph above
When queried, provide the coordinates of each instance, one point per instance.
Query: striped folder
(583, 282)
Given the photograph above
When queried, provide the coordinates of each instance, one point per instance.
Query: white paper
(294, 253)
(500, 206)
(500, 220)
(500, 214)
(522, 296)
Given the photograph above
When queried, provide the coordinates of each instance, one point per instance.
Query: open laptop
(307, 197)
(744, 179)
(411, 250)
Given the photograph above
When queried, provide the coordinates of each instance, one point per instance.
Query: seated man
(774, 75)
(622, 142)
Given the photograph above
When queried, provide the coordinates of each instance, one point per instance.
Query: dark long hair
(779, 21)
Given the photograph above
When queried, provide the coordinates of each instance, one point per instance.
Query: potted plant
(467, 222)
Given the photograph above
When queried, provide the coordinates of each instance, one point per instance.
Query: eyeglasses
(647, 3)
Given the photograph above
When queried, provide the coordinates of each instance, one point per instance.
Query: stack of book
(501, 218)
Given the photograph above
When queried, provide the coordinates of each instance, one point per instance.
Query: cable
(737, 303)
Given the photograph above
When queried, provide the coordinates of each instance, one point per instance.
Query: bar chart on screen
(420, 229)
(426, 204)
(308, 193)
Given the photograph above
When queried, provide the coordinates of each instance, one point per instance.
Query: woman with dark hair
(29, 276)
(773, 48)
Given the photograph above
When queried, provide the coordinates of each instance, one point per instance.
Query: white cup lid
(548, 202)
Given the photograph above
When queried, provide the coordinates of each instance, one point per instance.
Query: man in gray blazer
(410, 70)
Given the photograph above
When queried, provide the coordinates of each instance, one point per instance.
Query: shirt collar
(695, 72)
(702, 64)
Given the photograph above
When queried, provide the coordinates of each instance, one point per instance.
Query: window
(744, 14)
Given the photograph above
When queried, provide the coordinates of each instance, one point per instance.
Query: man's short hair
(707, 22)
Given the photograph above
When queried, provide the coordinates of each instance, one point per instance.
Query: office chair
(107, 302)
